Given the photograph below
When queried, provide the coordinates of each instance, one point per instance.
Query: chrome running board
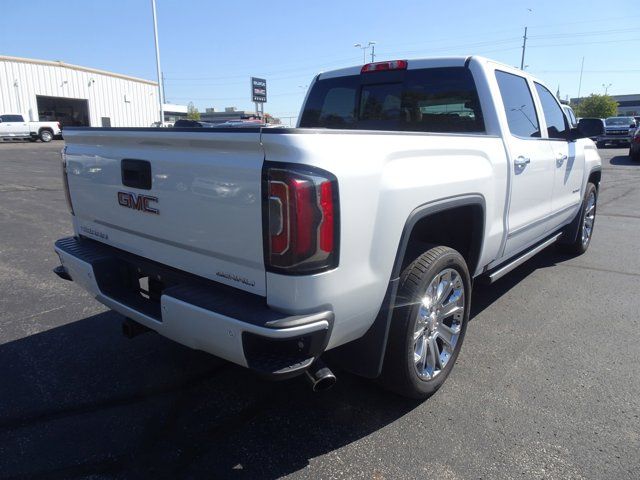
(503, 270)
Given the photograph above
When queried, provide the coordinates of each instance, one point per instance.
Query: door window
(556, 122)
(12, 118)
(518, 105)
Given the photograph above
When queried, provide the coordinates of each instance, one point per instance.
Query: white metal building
(76, 96)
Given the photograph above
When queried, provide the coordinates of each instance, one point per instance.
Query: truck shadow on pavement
(623, 160)
(485, 295)
(81, 400)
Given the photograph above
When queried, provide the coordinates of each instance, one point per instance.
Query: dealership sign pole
(259, 93)
(155, 35)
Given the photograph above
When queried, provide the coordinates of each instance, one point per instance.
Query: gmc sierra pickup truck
(15, 127)
(356, 235)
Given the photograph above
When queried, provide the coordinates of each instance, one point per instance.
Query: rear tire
(428, 324)
(634, 156)
(46, 136)
(586, 223)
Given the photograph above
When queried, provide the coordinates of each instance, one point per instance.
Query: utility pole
(364, 50)
(164, 95)
(160, 83)
(580, 82)
(524, 48)
(373, 52)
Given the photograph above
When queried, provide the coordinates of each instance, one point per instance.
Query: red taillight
(65, 180)
(301, 219)
(326, 227)
(384, 66)
(636, 138)
(278, 198)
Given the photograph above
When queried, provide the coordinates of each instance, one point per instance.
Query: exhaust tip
(320, 377)
(324, 384)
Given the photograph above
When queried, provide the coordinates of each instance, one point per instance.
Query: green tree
(599, 106)
(192, 112)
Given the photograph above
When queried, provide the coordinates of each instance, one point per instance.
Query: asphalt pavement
(546, 385)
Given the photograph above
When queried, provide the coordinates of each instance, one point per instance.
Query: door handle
(560, 159)
(521, 162)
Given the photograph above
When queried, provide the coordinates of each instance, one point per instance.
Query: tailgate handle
(136, 173)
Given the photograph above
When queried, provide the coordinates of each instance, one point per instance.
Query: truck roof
(429, 62)
(413, 64)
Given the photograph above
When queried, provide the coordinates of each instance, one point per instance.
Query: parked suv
(618, 131)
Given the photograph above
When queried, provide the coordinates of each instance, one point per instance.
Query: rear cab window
(441, 100)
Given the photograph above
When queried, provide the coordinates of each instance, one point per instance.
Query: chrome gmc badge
(138, 201)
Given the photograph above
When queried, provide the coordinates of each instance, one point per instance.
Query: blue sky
(209, 49)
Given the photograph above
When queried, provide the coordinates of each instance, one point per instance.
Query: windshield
(626, 121)
(425, 100)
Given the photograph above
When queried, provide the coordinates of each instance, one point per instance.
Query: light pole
(606, 87)
(160, 84)
(524, 49)
(364, 50)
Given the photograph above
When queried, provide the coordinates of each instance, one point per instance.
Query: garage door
(70, 112)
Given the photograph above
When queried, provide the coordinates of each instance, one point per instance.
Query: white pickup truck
(13, 126)
(356, 235)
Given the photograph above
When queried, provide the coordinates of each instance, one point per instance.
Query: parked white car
(357, 235)
(13, 126)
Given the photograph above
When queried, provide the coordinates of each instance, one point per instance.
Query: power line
(584, 34)
(622, 40)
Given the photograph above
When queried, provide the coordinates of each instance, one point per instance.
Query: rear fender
(365, 356)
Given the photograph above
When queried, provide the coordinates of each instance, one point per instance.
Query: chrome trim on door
(536, 223)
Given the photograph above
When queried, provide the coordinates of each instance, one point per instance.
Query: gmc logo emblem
(138, 202)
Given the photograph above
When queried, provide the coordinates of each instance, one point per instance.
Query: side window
(556, 122)
(12, 118)
(572, 118)
(518, 105)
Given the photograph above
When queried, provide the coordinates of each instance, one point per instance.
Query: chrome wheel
(589, 218)
(439, 323)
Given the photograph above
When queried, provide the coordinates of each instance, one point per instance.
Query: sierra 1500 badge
(138, 201)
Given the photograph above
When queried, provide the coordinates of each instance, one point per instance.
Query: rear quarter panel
(382, 178)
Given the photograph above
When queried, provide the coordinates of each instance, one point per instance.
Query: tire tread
(393, 376)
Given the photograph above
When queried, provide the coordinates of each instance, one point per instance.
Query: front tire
(587, 221)
(46, 136)
(428, 324)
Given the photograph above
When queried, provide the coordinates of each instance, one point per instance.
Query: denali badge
(138, 201)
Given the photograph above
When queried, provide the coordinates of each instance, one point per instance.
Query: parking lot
(546, 386)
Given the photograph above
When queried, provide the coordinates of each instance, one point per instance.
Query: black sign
(259, 90)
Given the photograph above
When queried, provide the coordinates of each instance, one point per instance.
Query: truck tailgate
(190, 200)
